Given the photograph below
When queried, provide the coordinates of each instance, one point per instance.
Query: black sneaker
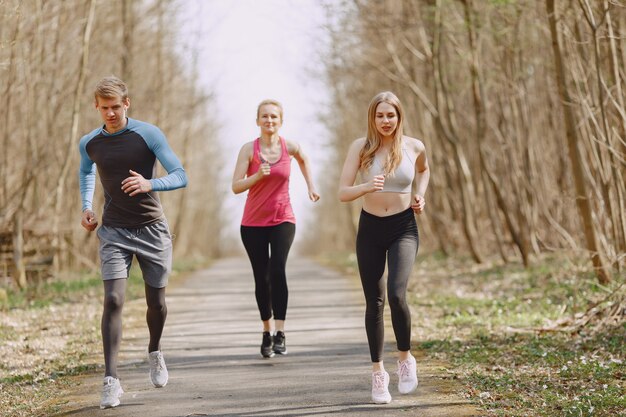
(280, 346)
(267, 345)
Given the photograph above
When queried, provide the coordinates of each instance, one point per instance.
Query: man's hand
(89, 221)
(136, 184)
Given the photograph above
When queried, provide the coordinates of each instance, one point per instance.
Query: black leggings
(269, 270)
(393, 239)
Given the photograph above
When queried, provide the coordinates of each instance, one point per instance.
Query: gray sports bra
(400, 180)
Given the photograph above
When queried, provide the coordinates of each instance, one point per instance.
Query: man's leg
(154, 254)
(115, 258)
(111, 327)
(155, 315)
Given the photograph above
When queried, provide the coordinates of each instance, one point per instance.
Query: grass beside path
(53, 330)
(512, 335)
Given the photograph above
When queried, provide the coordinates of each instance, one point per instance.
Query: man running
(124, 151)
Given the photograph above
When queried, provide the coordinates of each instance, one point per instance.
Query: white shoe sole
(410, 390)
(104, 407)
(115, 404)
(381, 401)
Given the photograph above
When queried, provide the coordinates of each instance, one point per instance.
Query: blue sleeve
(176, 176)
(86, 174)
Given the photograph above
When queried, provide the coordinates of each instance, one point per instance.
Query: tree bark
(73, 134)
(19, 269)
(4, 191)
(582, 201)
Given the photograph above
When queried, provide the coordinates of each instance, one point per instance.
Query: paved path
(211, 346)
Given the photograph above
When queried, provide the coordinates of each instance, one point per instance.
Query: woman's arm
(422, 177)
(303, 162)
(347, 190)
(240, 182)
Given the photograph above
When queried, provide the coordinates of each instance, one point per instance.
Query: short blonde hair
(111, 87)
(272, 102)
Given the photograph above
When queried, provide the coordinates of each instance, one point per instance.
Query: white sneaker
(111, 392)
(380, 387)
(407, 373)
(158, 370)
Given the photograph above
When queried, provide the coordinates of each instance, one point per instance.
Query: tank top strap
(256, 152)
(256, 145)
(283, 144)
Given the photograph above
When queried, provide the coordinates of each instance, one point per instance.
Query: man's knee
(155, 299)
(157, 305)
(113, 301)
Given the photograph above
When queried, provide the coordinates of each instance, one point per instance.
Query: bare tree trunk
(621, 129)
(582, 200)
(608, 169)
(481, 128)
(448, 131)
(127, 39)
(4, 191)
(160, 71)
(182, 201)
(495, 220)
(19, 270)
(73, 134)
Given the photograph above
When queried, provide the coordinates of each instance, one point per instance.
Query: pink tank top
(268, 201)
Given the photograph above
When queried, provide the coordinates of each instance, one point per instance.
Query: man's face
(113, 112)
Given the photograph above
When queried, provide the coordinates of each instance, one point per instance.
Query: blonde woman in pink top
(269, 225)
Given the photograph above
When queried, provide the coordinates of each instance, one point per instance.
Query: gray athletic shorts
(152, 245)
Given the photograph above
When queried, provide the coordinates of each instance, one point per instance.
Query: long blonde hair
(373, 140)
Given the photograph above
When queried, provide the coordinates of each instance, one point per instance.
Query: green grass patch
(543, 375)
(508, 333)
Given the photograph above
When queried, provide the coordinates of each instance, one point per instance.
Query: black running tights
(268, 248)
(393, 239)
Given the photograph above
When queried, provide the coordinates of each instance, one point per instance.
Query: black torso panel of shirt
(115, 156)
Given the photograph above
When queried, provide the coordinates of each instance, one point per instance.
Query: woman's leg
(400, 264)
(401, 257)
(281, 238)
(256, 242)
(371, 256)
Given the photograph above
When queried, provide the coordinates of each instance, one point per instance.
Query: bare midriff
(385, 204)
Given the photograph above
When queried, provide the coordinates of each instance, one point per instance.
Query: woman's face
(269, 119)
(386, 119)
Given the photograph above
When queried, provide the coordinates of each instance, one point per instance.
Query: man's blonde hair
(111, 87)
(272, 102)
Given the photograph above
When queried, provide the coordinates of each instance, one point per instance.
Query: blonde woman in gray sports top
(394, 174)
